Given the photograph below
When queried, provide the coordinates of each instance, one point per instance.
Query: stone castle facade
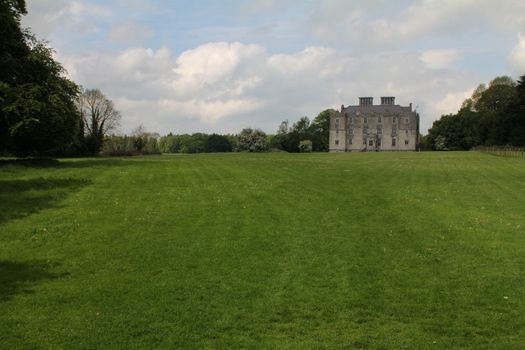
(372, 128)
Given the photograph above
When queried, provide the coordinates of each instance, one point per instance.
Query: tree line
(43, 113)
(493, 115)
(302, 136)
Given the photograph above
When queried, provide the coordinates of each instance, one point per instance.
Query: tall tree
(13, 46)
(99, 118)
(37, 112)
(319, 130)
(517, 115)
(218, 143)
(494, 115)
(494, 110)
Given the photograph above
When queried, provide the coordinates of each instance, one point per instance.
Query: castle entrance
(370, 144)
(373, 143)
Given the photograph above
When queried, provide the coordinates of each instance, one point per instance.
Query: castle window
(406, 120)
(393, 142)
(379, 142)
(336, 142)
(406, 131)
(379, 129)
(365, 120)
(394, 130)
(365, 130)
(349, 141)
(364, 141)
(379, 119)
(406, 142)
(393, 119)
(351, 131)
(371, 142)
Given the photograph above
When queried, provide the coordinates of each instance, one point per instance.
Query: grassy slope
(404, 250)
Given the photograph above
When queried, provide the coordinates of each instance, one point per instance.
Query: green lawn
(364, 251)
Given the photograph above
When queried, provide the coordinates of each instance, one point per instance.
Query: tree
(494, 115)
(517, 115)
(140, 137)
(13, 42)
(166, 143)
(195, 143)
(253, 140)
(319, 131)
(305, 146)
(494, 111)
(37, 111)
(302, 128)
(99, 118)
(455, 131)
(440, 143)
(145, 142)
(218, 143)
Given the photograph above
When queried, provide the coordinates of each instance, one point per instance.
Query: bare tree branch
(98, 113)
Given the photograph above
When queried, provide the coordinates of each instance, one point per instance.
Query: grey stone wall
(374, 128)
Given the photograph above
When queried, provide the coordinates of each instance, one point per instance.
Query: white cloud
(451, 102)
(516, 57)
(223, 87)
(327, 53)
(386, 24)
(217, 69)
(130, 32)
(46, 16)
(440, 58)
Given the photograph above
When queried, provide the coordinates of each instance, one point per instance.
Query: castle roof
(377, 109)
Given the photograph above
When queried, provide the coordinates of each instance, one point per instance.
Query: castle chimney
(366, 101)
(390, 100)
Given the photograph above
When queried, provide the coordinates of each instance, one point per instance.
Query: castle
(369, 127)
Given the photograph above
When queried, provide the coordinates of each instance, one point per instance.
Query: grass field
(364, 251)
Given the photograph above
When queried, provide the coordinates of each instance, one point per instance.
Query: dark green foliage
(516, 120)
(145, 143)
(492, 116)
(197, 143)
(37, 111)
(458, 131)
(13, 46)
(218, 143)
(289, 138)
(319, 131)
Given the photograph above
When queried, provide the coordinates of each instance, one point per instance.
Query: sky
(220, 66)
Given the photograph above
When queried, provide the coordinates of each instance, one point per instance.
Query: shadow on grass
(18, 277)
(20, 198)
